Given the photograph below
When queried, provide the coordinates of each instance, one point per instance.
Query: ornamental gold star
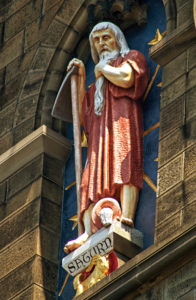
(75, 220)
(158, 37)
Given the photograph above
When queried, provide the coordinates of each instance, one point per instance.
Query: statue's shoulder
(134, 53)
(137, 56)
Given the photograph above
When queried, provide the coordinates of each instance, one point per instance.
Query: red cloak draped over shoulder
(115, 139)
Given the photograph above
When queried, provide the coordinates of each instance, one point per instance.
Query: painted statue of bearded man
(111, 113)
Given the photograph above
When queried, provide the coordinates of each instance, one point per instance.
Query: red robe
(115, 139)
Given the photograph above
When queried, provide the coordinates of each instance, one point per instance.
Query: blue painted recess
(137, 38)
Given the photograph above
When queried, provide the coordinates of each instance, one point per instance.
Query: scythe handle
(77, 141)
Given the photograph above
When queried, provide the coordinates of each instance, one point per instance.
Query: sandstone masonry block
(171, 146)
(52, 191)
(54, 34)
(192, 56)
(175, 199)
(191, 78)
(80, 22)
(11, 49)
(6, 118)
(36, 30)
(27, 195)
(22, 130)
(42, 58)
(53, 169)
(69, 10)
(172, 117)
(169, 228)
(20, 64)
(48, 245)
(11, 229)
(2, 78)
(170, 175)
(54, 81)
(70, 40)
(60, 60)
(5, 142)
(180, 3)
(190, 160)
(22, 18)
(173, 91)
(50, 216)
(3, 190)
(29, 174)
(154, 293)
(35, 271)
(35, 293)
(25, 109)
(185, 12)
(11, 90)
(191, 295)
(188, 214)
(190, 131)
(190, 103)
(33, 83)
(17, 281)
(45, 273)
(170, 72)
(15, 6)
(19, 252)
(170, 203)
(181, 281)
(50, 3)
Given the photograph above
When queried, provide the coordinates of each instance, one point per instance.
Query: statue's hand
(99, 69)
(78, 63)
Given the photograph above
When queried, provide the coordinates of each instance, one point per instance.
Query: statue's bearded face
(104, 41)
(107, 49)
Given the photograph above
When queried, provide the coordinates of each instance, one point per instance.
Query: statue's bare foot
(127, 221)
(74, 244)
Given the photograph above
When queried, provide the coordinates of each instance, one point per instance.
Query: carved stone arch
(72, 43)
(47, 67)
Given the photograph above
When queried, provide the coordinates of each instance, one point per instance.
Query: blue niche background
(137, 38)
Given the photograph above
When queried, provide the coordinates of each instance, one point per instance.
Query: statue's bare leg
(74, 244)
(129, 199)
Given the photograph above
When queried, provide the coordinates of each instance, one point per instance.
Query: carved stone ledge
(175, 43)
(42, 140)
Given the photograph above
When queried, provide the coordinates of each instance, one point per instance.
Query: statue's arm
(122, 76)
(81, 82)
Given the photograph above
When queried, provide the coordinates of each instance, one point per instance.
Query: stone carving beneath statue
(101, 254)
(97, 270)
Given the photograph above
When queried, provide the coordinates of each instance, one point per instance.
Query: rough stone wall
(176, 202)
(37, 39)
(32, 62)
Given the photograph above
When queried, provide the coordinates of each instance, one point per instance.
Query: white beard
(99, 98)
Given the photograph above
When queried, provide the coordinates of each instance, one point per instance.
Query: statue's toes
(127, 221)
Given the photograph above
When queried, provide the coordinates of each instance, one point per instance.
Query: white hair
(99, 97)
(120, 39)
